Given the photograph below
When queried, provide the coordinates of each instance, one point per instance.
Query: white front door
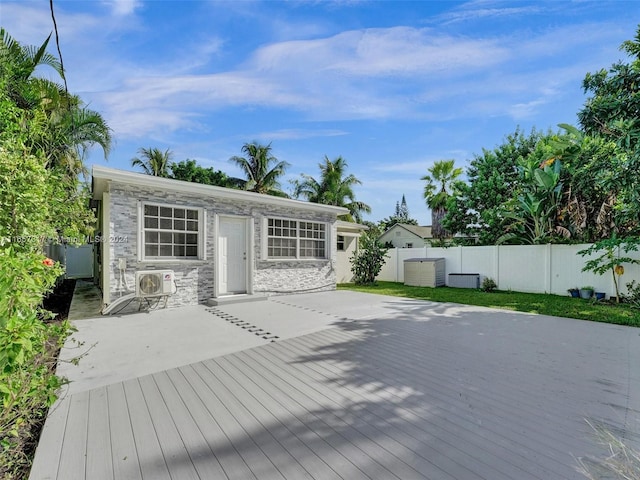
(232, 255)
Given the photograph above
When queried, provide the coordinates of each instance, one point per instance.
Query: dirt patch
(59, 301)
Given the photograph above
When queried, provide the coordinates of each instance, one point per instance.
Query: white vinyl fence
(522, 268)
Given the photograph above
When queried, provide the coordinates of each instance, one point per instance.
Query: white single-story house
(402, 235)
(214, 241)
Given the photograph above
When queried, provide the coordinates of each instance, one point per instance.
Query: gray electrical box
(424, 272)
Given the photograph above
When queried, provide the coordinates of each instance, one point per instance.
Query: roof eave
(101, 176)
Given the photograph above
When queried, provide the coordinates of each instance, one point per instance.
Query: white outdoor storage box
(424, 272)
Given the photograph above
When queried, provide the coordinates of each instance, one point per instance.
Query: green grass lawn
(560, 306)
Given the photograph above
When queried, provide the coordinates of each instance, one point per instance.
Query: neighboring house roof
(102, 176)
(421, 232)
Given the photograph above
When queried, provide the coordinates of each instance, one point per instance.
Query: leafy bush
(610, 260)
(368, 260)
(27, 381)
(488, 285)
(633, 294)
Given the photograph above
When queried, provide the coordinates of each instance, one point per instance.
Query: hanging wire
(55, 28)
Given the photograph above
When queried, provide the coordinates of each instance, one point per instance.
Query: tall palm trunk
(437, 230)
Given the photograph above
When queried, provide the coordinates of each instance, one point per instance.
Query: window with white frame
(294, 239)
(171, 232)
(340, 243)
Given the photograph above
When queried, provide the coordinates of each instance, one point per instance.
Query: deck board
(74, 447)
(126, 465)
(259, 404)
(99, 456)
(150, 454)
(45, 465)
(439, 425)
(397, 398)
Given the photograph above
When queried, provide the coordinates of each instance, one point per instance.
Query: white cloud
(122, 8)
(403, 51)
(298, 134)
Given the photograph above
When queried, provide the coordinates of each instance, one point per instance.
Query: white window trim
(202, 232)
(265, 241)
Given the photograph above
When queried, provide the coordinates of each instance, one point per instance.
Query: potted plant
(574, 292)
(600, 295)
(586, 292)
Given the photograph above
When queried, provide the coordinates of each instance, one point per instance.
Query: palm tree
(61, 129)
(261, 168)
(333, 188)
(154, 161)
(442, 176)
(18, 64)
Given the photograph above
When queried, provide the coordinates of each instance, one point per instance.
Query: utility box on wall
(424, 272)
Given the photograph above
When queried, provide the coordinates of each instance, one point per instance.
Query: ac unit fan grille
(150, 284)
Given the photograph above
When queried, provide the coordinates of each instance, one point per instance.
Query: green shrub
(368, 260)
(488, 285)
(633, 294)
(27, 349)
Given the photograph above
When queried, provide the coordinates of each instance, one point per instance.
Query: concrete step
(229, 299)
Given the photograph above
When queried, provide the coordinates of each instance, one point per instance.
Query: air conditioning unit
(153, 283)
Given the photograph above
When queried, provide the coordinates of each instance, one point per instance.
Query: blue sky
(390, 86)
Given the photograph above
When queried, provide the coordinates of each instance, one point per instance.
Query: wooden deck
(388, 399)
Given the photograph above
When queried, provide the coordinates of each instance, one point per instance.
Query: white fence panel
(389, 271)
(480, 260)
(452, 256)
(523, 268)
(566, 268)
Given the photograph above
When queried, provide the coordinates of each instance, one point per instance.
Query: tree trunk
(437, 230)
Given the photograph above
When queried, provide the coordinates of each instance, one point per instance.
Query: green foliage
(154, 161)
(400, 215)
(488, 285)
(610, 257)
(189, 171)
(611, 113)
(493, 179)
(534, 212)
(26, 190)
(334, 187)
(44, 133)
(261, 168)
(632, 297)
(27, 382)
(440, 183)
(368, 260)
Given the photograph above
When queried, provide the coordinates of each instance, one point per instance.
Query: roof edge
(101, 176)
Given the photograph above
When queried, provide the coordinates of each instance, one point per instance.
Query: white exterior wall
(523, 268)
(195, 278)
(343, 263)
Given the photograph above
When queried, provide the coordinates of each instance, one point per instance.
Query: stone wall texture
(195, 279)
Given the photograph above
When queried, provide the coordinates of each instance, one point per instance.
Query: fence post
(547, 266)
(496, 264)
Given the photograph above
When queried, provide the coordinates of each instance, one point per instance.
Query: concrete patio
(339, 385)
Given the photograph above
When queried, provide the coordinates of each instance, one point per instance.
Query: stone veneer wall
(195, 279)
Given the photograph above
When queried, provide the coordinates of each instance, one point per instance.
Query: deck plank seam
(233, 377)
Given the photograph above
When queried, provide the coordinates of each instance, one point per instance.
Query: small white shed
(424, 272)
